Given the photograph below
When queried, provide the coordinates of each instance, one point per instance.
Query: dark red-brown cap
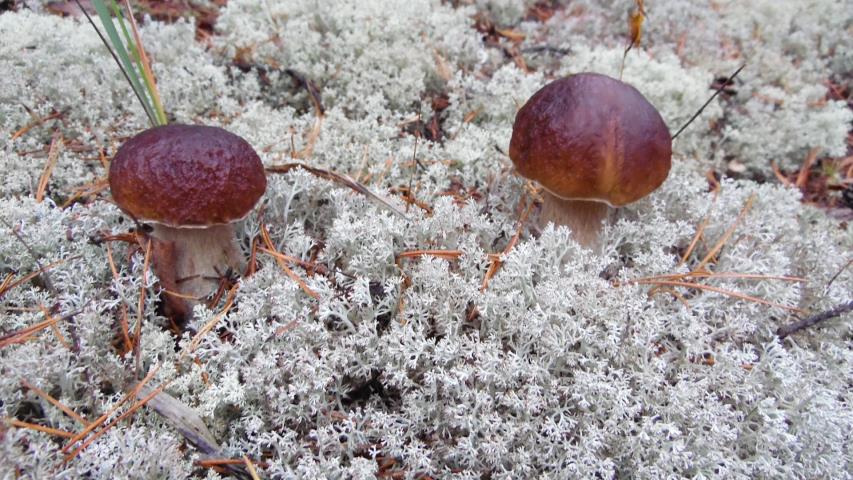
(187, 176)
(592, 137)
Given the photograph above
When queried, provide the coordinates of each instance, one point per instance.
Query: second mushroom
(593, 143)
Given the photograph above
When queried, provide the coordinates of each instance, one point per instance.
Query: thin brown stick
(496, 261)
(252, 264)
(265, 236)
(39, 428)
(54, 328)
(725, 238)
(184, 296)
(123, 318)
(124, 325)
(743, 276)
(308, 266)
(699, 286)
(196, 340)
(803, 176)
(251, 468)
(52, 157)
(48, 283)
(700, 230)
(22, 335)
(839, 272)
(91, 188)
(447, 254)
(805, 323)
(26, 128)
(28, 277)
(6, 282)
(130, 411)
(103, 418)
(339, 179)
(56, 403)
(140, 307)
(319, 115)
(410, 193)
(779, 175)
(112, 262)
(670, 290)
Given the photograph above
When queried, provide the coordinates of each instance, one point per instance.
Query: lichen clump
(455, 340)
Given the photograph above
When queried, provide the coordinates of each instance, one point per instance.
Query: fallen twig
(137, 336)
(56, 403)
(445, 254)
(803, 176)
(813, 320)
(196, 340)
(26, 128)
(702, 108)
(340, 179)
(280, 260)
(22, 335)
(92, 188)
(668, 282)
(9, 285)
(319, 114)
(725, 238)
(52, 157)
(700, 286)
(831, 280)
(495, 260)
(103, 418)
(40, 428)
(185, 419)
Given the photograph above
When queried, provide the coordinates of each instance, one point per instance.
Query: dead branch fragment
(813, 320)
(340, 179)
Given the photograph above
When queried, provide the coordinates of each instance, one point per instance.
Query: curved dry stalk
(339, 179)
(743, 276)
(725, 238)
(445, 254)
(280, 259)
(729, 293)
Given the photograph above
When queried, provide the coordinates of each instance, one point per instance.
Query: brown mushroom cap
(592, 137)
(187, 176)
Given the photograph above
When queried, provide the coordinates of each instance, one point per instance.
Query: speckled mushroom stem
(201, 256)
(583, 217)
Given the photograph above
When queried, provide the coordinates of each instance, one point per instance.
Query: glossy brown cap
(187, 176)
(592, 137)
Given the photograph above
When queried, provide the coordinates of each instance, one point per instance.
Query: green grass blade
(113, 55)
(142, 61)
(158, 108)
(130, 45)
(121, 52)
(134, 50)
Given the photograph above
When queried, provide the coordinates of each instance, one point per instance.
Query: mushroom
(593, 143)
(191, 183)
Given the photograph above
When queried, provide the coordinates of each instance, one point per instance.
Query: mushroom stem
(583, 217)
(201, 256)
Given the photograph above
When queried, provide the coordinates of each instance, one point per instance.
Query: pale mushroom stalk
(583, 217)
(201, 256)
